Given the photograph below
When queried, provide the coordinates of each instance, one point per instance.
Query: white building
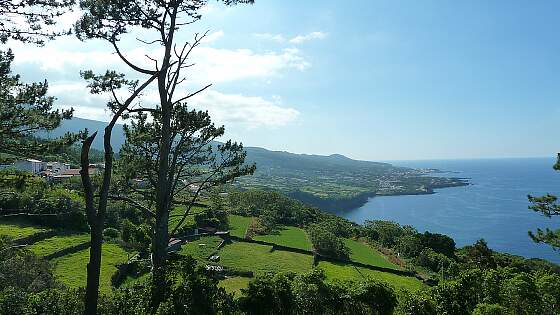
(57, 167)
(30, 165)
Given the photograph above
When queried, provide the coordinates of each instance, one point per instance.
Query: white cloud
(212, 37)
(299, 39)
(307, 37)
(213, 65)
(223, 65)
(273, 37)
(60, 62)
(248, 111)
(228, 109)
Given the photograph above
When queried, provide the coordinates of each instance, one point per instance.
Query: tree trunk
(93, 270)
(163, 194)
(159, 258)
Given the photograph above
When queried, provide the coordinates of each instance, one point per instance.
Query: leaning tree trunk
(161, 230)
(93, 270)
(96, 230)
(163, 194)
(96, 217)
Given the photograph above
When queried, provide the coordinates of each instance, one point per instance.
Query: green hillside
(333, 182)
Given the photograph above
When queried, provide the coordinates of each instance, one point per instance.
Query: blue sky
(374, 80)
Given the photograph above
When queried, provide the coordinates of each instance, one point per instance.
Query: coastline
(342, 205)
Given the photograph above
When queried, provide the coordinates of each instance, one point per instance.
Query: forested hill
(76, 124)
(263, 157)
(281, 159)
(333, 183)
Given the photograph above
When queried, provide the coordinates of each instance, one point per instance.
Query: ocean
(493, 207)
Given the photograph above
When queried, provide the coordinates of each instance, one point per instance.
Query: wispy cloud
(279, 38)
(62, 64)
(300, 39)
(248, 111)
(212, 37)
(229, 109)
(212, 65)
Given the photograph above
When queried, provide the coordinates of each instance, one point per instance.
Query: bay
(493, 207)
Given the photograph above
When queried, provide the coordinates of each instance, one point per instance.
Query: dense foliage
(311, 294)
(327, 243)
(194, 291)
(31, 21)
(40, 202)
(547, 206)
(26, 109)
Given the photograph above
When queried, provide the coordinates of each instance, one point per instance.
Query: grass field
(235, 284)
(71, 269)
(346, 272)
(175, 216)
(288, 236)
(56, 243)
(18, 229)
(238, 225)
(365, 254)
(199, 251)
(259, 258)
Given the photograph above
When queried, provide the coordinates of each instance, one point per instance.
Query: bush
(309, 293)
(12, 301)
(416, 303)
(385, 232)
(56, 301)
(56, 207)
(439, 243)
(327, 243)
(21, 269)
(521, 295)
(136, 236)
(111, 233)
(268, 294)
(409, 245)
(432, 260)
(490, 309)
(549, 290)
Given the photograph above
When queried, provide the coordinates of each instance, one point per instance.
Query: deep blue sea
(493, 207)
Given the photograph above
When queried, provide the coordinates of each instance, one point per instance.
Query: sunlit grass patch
(338, 271)
(71, 269)
(201, 248)
(288, 236)
(234, 284)
(56, 243)
(366, 254)
(259, 258)
(19, 229)
(238, 225)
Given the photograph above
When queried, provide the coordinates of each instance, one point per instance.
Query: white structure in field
(30, 165)
(57, 167)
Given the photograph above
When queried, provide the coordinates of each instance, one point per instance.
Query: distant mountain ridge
(263, 157)
(331, 182)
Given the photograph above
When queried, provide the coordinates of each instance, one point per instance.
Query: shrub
(385, 232)
(432, 260)
(327, 243)
(417, 303)
(439, 243)
(268, 294)
(490, 309)
(409, 245)
(111, 233)
(309, 293)
(21, 269)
